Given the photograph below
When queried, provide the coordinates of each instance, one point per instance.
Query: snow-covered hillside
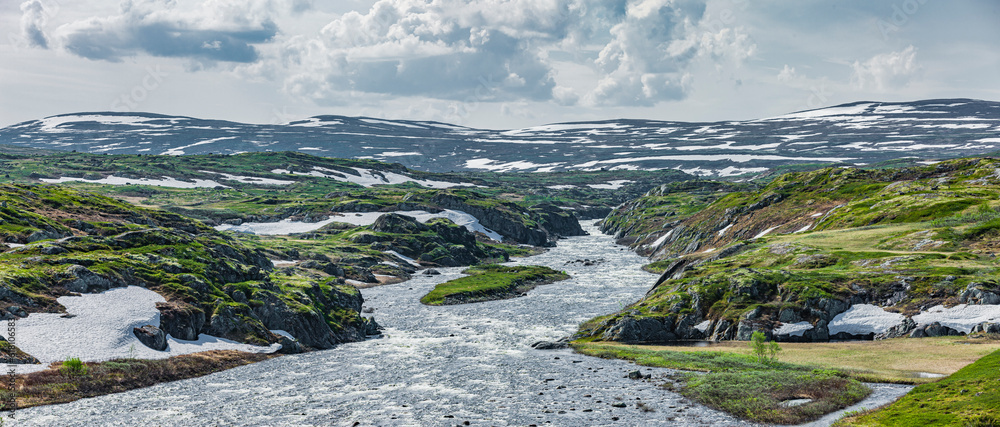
(855, 134)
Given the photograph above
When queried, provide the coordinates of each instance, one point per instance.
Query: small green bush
(765, 351)
(73, 367)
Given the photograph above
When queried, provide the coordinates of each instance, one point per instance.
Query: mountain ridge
(857, 133)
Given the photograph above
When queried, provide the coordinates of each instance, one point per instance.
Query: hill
(829, 254)
(858, 133)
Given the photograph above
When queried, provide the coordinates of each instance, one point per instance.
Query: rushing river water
(453, 365)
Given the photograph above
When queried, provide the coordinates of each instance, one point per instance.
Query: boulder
(431, 272)
(901, 330)
(987, 328)
(289, 346)
(151, 337)
(551, 345)
(975, 294)
(372, 327)
(180, 320)
(933, 330)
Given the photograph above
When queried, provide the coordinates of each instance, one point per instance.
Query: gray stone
(987, 328)
(83, 280)
(901, 330)
(151, 337)
(974, 294)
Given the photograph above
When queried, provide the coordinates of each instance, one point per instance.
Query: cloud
(787, 74)
(886, 71)
(445, 49)
(501, 51)
(33, 19)
(214, 30)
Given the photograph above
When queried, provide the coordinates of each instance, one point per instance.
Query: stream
(451, 365)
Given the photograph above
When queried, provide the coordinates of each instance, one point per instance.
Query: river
(452, 365)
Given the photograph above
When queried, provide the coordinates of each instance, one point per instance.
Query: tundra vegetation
(743, 257)
(803, 248)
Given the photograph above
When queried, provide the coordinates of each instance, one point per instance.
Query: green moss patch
(969, 397)
(491, 282)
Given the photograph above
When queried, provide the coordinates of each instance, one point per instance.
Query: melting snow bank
(863, 319)
(961, 317)
(117, 180)
(368, 177)
(96, 333)
(357, 218)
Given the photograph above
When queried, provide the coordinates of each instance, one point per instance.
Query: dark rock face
(987, 328)
(980, 293)
(629, 329)
(235, 322)
(181, 321)
(310, 327)
(900, 330)
(83, 280)
(933, 330)
(507, 219)
(556, 221)
(151, 337)
(289, 346)
(399, 224)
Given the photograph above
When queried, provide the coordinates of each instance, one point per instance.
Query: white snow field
(368, 177)
(101, 329)
(357, 218)
(117, 180)
(861, 319)
(961, 317)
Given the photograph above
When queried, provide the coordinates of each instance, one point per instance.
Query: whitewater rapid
(435, 366)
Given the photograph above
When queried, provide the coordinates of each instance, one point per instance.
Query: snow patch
(793, 329)
(724, 230)
(368, 177)
(703, 326)
(863, 319)
(409, 260)
(251, 179)
(961, 317)
(356, 218)
(611, 185)
(96, 333)
(117, 180)
(765, 232)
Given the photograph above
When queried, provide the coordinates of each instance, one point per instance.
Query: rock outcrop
(933, 330)
(151, 337)
(514, 222)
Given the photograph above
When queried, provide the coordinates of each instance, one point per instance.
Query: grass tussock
(76, 380)
(758, 395)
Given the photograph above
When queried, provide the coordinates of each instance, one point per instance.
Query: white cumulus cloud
(886, 71)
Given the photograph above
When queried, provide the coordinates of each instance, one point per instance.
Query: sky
(498, 64)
